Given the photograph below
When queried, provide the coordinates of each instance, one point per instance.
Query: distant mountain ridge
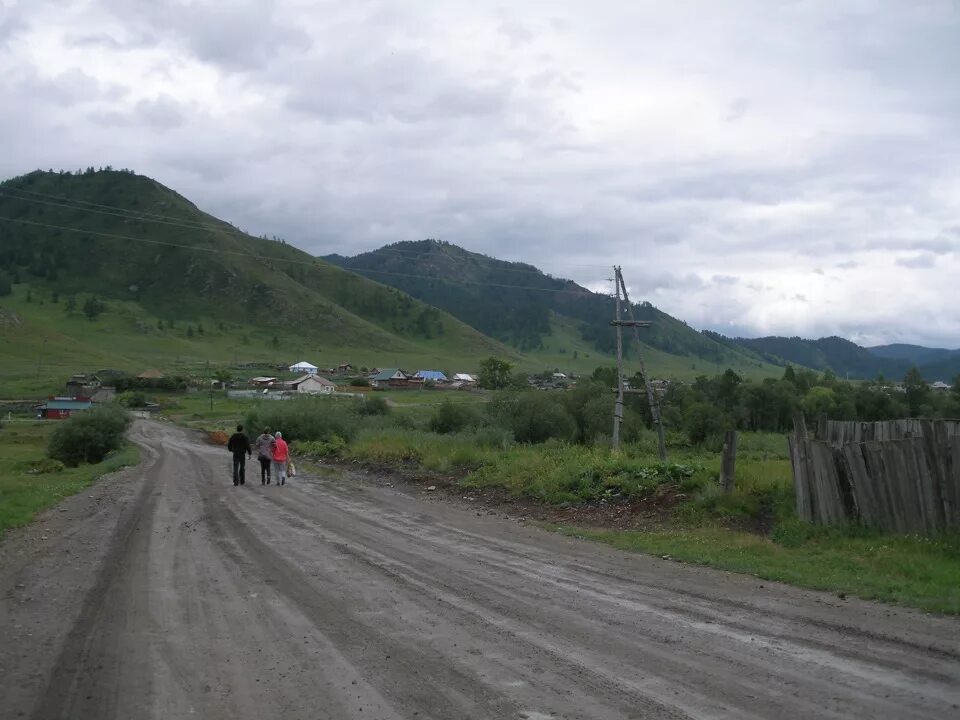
(513, 302)
(847, 359)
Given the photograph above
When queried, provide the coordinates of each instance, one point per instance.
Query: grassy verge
(751, 531)
(23, 491)
(909, 570)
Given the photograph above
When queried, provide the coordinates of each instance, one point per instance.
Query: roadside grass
(23, 491)
(752, 530)
(196, 410)
(909, 570)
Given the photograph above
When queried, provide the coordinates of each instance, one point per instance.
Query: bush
(534, 417)
(373, 406)
(450, 417)
(132, 399)
(47, 466)
(88, 436)
(332, 446)
(306, 418)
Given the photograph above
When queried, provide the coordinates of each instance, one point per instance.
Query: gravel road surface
(165, 592)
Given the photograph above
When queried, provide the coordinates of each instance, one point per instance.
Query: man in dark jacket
(238, 445)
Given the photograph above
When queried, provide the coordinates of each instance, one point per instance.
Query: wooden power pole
(618, 405)
(652, 398)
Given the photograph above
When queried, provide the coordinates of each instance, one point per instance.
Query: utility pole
(652, 398)
(618, 405)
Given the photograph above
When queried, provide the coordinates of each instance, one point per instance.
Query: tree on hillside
(494, 373)
(189, 331)
(5, 287)
(71, 304)
(92, 308)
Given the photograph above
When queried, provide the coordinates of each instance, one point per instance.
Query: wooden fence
(901, 476)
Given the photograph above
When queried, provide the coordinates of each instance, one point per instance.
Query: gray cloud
(924, 260)
(731, 173)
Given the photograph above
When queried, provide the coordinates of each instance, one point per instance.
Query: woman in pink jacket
(281, 454)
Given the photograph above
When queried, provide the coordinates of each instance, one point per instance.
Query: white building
(304, 367)
(312, 385)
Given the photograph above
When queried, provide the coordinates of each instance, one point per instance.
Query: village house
(465, 378)
(304, 367)
(390, 378)
(940, 386)
(311, 385)
(89, 386)
(60, 408)
(262, 381)
(435, 376)
(152, 374)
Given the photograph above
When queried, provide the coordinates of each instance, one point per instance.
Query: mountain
(847, 359)
(522, 306)
(915, 354)
(154, 257)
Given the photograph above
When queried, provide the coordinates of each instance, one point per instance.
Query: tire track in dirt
(334, 598)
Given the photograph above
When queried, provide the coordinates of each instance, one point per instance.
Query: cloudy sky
(756, 167)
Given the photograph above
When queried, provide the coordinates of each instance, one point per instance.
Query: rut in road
(335, 598)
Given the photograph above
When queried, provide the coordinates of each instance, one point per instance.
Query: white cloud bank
(756, 167)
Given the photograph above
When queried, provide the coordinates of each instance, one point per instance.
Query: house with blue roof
(434, 375)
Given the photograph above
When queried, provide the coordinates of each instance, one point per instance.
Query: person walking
(238, 444)
(263, 444)
(281, 454)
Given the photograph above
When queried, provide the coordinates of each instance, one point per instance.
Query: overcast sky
(756, 168)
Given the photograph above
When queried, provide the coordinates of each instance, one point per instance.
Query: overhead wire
(112, 210)
(311, 263)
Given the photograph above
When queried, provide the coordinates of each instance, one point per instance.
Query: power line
(114, 211)
(138, 214)
(108, 212)
(311, 263)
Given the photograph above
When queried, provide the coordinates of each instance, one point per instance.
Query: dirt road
(165, 592)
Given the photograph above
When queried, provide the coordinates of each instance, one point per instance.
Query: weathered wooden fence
(901, 476)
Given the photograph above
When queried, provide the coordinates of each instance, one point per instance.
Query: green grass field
(24, 493)
(41, 345)
(909, 570)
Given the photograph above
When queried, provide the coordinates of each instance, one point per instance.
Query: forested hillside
(118, 235)
(847, 359)
(513, 301)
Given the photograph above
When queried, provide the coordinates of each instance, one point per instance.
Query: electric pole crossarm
(652, 399)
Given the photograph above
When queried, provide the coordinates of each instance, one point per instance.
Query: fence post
(728, 461)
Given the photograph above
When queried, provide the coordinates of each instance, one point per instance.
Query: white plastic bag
(291, 469)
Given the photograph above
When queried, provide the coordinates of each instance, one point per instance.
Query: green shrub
(88, 436)
(373, 406)
(132, 399)
(331, 446)
(450, 417)
(47, 466)
(306, 418)
(493, 438)
(534, 416)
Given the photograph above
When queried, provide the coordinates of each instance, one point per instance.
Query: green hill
(847, 359)
(152, 257)
(520, 305)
